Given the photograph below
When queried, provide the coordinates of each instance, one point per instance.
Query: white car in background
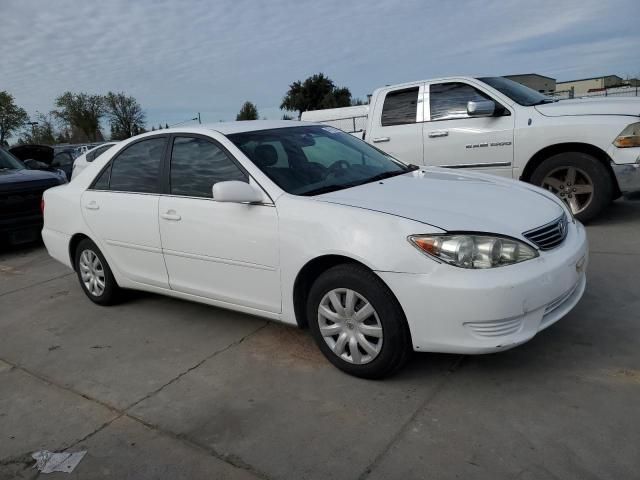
(313, 227)
(89, 156)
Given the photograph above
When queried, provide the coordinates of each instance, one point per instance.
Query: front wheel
(579, 180)
(357, 322)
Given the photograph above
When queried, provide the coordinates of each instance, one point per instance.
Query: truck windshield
(9, 162)
(517, 92)
(312, 160)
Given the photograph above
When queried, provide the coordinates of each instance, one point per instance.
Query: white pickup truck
(586, 151)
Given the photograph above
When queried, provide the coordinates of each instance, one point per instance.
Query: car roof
(227, 128)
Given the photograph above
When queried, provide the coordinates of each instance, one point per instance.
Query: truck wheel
(357, 322)
(579, 180)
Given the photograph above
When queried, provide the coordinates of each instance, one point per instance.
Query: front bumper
(626, 168)
(454, 310)
(628, 177)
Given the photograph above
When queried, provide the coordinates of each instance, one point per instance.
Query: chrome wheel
(350, 326)
(92, 272)
(573, 185)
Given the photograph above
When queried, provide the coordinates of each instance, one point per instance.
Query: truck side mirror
(481, 108)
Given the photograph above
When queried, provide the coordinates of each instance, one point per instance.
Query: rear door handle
(92, 205)
(381, 139)
(438, 133)
(171, 215)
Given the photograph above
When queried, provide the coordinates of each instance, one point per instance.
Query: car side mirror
(236, 192)
(481, 108)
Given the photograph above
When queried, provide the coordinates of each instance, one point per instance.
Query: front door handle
(438, 133)
(381, 139)
(171, 215)
(92, 205)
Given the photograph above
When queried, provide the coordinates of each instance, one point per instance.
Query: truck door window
(400, 107)
(449, 100)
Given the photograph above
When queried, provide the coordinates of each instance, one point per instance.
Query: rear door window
(400, 107)
(137, 167)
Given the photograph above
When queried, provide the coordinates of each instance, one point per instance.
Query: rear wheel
(357, 322)
(95, 276)
(579, 180)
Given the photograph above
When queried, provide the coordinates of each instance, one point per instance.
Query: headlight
(474, 251)
(629, 137)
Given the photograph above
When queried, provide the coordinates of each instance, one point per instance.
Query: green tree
(82, 111)
(12, 117)
(248, 112)
(287, 117)
(43, 133)
(315, 93)
(125, 115)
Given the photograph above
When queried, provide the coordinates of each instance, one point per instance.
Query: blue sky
(179, 57)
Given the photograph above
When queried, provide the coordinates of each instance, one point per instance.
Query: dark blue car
(20, 196)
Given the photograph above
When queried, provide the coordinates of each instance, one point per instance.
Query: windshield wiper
(382, 176)
(544, 101)
(341, 186)
(329, 188)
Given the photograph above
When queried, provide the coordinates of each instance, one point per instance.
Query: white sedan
(307, 225)
(88, 156)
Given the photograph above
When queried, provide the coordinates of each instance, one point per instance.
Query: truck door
(453, 138)
(397, 123)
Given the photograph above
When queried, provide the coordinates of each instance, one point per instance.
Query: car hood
(20, 179)
(455, 201)
(591, 106)
(41, 153)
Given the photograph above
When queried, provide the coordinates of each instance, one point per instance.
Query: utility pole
(199, 121)
(33, 129)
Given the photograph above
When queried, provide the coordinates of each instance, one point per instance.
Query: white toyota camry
(310, 226)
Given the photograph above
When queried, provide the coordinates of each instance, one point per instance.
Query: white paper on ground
(48, 462)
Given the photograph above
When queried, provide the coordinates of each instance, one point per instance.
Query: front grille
(550, 235)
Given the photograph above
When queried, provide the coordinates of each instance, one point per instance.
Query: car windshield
(312, 160)
(516, 91)
(9, 162)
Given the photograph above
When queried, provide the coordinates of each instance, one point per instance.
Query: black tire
(396, 340)
(111, 294)
(599, 175)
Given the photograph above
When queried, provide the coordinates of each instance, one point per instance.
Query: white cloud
(180, 57)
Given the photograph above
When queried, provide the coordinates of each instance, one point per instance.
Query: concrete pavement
(161, 388)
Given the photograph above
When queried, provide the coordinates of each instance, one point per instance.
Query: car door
(223, 251)
(121, 209)
(453, 138)
(398, 128)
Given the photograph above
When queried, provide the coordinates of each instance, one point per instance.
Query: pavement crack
(192, 368)
(9, 292)
(230, 459)
(405, 426)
